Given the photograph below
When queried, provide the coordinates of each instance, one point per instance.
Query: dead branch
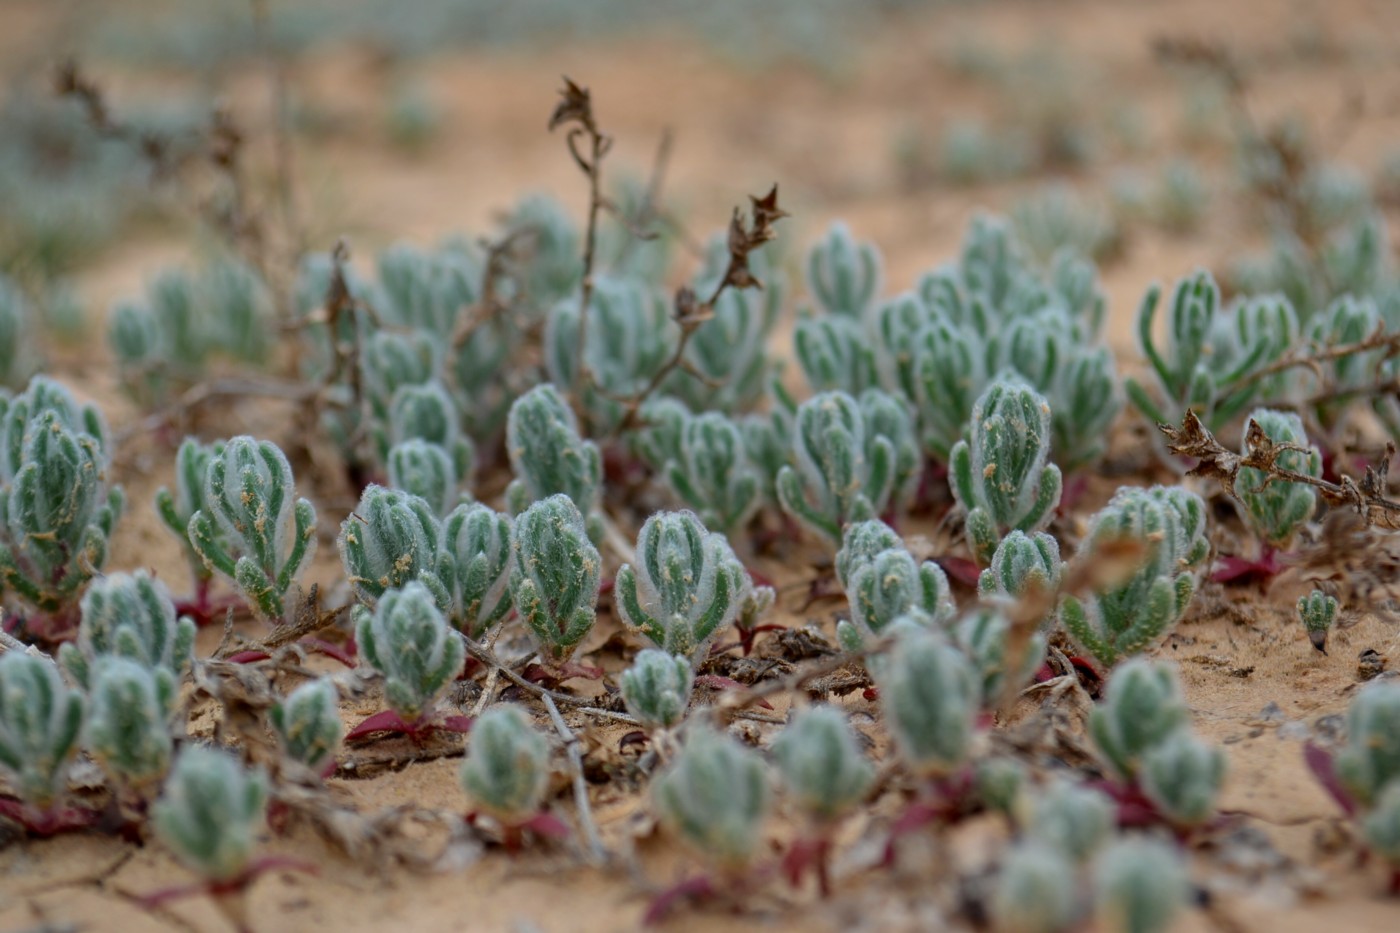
(598, 853)
(1366, 498)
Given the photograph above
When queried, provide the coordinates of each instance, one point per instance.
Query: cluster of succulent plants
(560, 354)
(1364, 774)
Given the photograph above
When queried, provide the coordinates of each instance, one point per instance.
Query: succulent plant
(686, 586)
(886, 586)
(556, 575)
(844, 275)
(1139, 885)
(1142, 708)
(1023, 563)
(1126, 617)
(548, 456)
(1000, 783)
(16, 361)
(390, 540)
(127, 729)
(250, 529)
(656, 688)
(1187, 375)
(57, 513)
(1318, 610)
(425, 412)
(999, 474)
(477, 542)
(715, 796)
(426, 470)
(130, 616)
(210, 812)
(1035, 891)
(658, 439)
(821, 764)
(392, 360)
(889, 416)
(1182, 776)
(177, 508)
(1370, 760)
(950, 369)
(860, 542)
(39, 723)
(1073, 820)
(835, 355)
(1084, 401)
(1277, 509)
(839, 477)
(930, 694)
(711, 472)
(407, 640)
(983, 636)
(506, 771)
(134, 334)
(1381, 824)
(308, 723)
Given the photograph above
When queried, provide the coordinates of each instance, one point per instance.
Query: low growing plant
(506, 774)
(1318, 611)
(308, 726)
(549, 457)
(555, 577)
(656, 688)
(40, 720)
(130, 616)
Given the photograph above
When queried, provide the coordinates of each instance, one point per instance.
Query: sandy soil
(1253, 680)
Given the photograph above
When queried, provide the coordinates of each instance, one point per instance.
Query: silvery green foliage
(1182, 776)
(1276, 510)
(619, 249)
(555, 577)
(391, 539)
(888, 416)
(426, 470)
(658, 440)
(656, 688)
(1168, 525)
(1370, 760)
(1346, 320)
(1381, 825)
(1139, 886)
(548, 456)
(883, 582)
(428, 413)
(1055, 218)
(477, 542)
(308, 723)
(56, 510)
(1000, 783)
(390, 361)
(1248, 323)
(554, 268)
(930, 694)
(715, 796)
(1023, 563)
(1036, 891)
(239, 309)
(1187, 375)
(730, 349)
(134, 335)
(39, 723)
(407, 640)
(982, 635)
(843, 275)
(506, 771)
(130, 616)
(821, 763)
(1142, 708)
(1071, 819)
(686, 586)
(834, 354)
(1317, 611)
(1085, 399)
(950, 366)
(15, 362)
(999, 473)
(839, 477)
(174, 299)
(177, 508)
(250, 528)
(210, 812)
(631, 334)
(768, 443)
(712, 474)
(1181, 197)
(127, 729)
(424, 290)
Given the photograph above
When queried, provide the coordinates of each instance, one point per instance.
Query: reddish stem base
(810, 854)
(391, 723)
(1320, 763)
(699, 888)
(239, 882)
(1233, 569)
(46, 823)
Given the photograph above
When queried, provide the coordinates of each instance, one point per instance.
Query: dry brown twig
(1367, 497)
